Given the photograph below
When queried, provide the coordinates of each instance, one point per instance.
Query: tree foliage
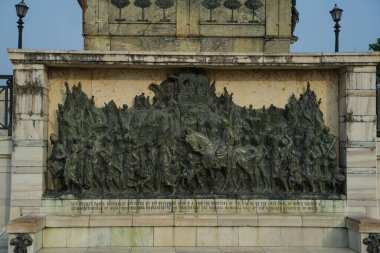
(211, 4)
(253, 5)
(120, 3)
(142, 3)
(232, 5)
(164, 4)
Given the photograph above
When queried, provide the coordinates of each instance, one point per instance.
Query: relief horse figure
(219, 156)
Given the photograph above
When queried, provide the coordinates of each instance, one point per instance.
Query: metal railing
(6, 93)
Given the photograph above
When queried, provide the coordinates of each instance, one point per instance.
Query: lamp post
(21, 10)
(336, 14)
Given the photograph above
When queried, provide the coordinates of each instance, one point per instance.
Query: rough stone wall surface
(36, 112)
(187, 27)
(257, 87)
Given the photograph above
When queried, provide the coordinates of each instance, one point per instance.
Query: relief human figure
(163, 175)
(110, 173)
(313, 161)
(73, 168)
(58, 157)
(91, 162)
(279, 148)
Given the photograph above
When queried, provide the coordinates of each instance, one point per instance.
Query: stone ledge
(197, 220)
(199, 249)
(91, 59)
(363, 224)
(26, 224)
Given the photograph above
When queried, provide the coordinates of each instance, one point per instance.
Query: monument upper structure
(189, 26)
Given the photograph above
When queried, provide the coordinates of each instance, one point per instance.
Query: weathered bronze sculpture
(21, 243)
(188, 142)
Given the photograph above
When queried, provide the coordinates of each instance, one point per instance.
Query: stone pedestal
(344, 82)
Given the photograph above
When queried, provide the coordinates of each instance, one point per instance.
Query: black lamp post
(21, 10)
(336, 15)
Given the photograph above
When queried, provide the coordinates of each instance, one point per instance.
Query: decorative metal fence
(6, 106)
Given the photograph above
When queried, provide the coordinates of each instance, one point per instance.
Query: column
(357, 130)
(30, 119)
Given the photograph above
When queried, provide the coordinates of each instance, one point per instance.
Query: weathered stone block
(5, 186)
(121, 236)
(358, 157)
(361, 186)
(248, 236)
(29, 80)
(185, 236)
(266, 235)
(99, 237)
(207, 236)
(27, 187)
(335, 237)
(29, 156)
(358, 131)
(312, 237)
(278, 220)
(161, 220)
(142, 237)
(143, 29)
(55, 238)
(31, 101)
(164, 236)
(284, 8)
(97, 220)
(230, 220)
(199, 220)
(30, 130)
(62, 221)
(228, 236)
(234, 30)
(357, 105)
(323, 220)
(77, 237)
(358, 78)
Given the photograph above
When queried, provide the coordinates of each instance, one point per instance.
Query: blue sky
(57, 24)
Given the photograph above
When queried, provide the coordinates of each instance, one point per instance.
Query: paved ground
(198, 250)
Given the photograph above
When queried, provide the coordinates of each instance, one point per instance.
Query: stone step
(198, 250)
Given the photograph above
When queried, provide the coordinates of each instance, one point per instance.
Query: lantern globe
(21, 9)
(336, 13)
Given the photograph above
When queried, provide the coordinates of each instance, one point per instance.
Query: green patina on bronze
(21, 243)
(188, 142)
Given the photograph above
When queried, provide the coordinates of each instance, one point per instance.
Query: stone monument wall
(188, 27)
(344, 82)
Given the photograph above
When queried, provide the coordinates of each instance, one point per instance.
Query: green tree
(232, 5)
(142, 4)
(164, 4)
(253, 5)
(120, 4)
(211, 5)
(376, 47)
